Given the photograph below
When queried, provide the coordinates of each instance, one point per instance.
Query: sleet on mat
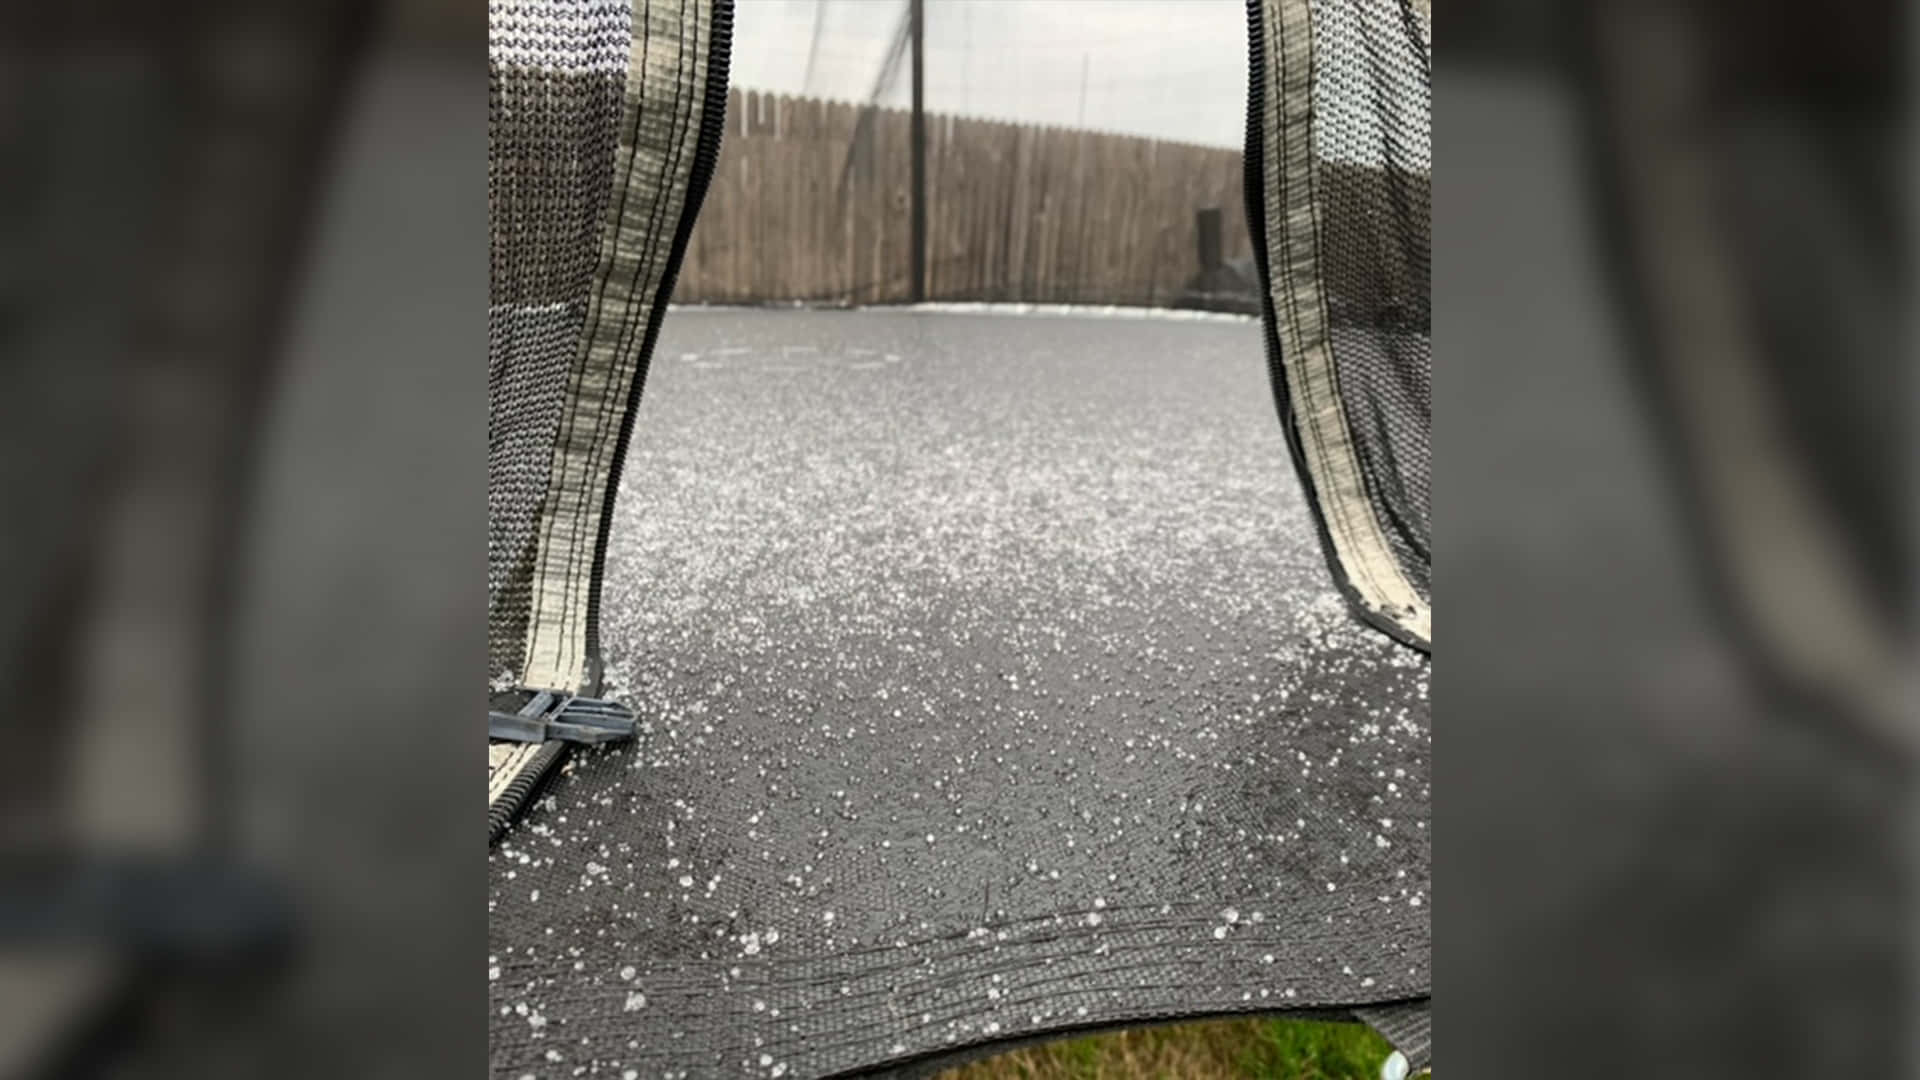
(991, 684)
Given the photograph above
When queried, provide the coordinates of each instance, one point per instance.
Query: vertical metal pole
(1207, 229)
(919, 252)
(813, 47)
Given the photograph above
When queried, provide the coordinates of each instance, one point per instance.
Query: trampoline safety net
(1339, 167)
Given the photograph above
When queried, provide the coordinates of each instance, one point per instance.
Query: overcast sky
(1171, 69)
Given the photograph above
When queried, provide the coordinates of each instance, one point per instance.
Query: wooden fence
(810, 202)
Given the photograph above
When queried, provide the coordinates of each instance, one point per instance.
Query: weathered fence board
(811, 202)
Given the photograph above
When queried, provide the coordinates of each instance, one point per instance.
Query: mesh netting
(605, 125)
(555, 71)
(1374, 159)
(1339, 166)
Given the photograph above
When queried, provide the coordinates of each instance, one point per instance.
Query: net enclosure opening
(884, 687)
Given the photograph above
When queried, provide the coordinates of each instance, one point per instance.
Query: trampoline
(988, 676)
(991, 684)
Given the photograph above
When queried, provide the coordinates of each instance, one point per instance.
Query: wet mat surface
(991, 683)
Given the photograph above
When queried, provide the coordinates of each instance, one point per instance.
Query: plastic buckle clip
(555, 714)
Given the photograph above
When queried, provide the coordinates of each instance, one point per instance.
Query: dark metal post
(1206, 225)
(919, 251)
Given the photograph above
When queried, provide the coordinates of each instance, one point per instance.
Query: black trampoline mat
(992, 684)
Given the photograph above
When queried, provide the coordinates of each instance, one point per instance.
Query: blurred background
(243, 422)
(1674, 721)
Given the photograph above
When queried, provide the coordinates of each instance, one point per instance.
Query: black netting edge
(706, 157)
(501, 812)
(1255, 192)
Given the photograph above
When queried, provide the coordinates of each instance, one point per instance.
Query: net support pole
(918, 256)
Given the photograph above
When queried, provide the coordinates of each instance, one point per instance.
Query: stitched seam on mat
(1071, 945)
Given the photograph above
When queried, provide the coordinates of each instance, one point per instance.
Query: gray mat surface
(991, 684)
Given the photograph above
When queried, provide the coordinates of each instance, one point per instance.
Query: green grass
(1263, 1049)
